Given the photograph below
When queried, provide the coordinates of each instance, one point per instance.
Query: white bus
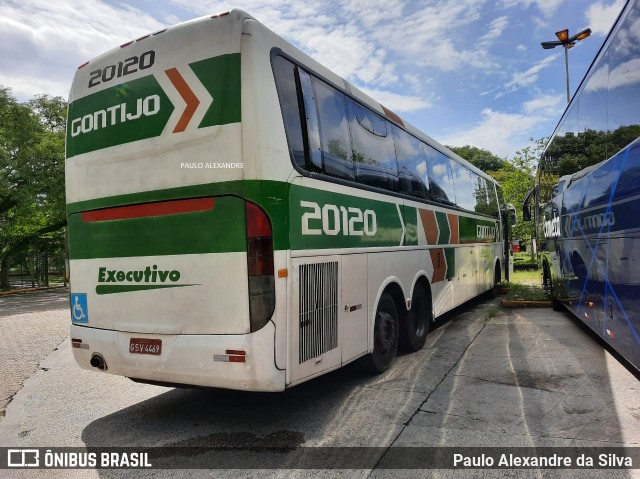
(241, 217)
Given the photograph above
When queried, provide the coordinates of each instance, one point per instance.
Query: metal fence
(42, 269)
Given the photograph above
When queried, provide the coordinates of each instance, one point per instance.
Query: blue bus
(587, 195)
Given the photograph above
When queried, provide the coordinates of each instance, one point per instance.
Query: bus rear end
(171, 262)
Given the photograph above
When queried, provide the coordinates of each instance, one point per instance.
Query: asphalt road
(521, 377)
(32, 325)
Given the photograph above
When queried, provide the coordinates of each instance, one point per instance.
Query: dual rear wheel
(389, 331)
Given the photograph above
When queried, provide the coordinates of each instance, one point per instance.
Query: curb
(508, 303)
(31, 290)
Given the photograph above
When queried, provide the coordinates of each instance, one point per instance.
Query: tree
(517, 178)
(32, 202)
(479, 157)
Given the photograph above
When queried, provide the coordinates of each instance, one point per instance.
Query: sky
(466, 72)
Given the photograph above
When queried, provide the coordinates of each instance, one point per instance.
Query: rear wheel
(385, 336)
(497, 277)
(547, 284)
(413, 332)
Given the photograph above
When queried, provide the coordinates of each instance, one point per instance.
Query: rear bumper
(186, 359)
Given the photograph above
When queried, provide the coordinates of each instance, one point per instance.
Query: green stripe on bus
(474, 230)
(220, 229)
(322, 219)
(443, 225)
(128, 112)
(332, 220)
(450, 255)
(221, 77)
(410, 215)
(140, 109)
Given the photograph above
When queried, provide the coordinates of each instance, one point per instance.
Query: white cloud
(496, 28)
(600, 16)
(547, 105)
(546, 7)
(43, 43)
(500, 133)
(524, 79)
(396, 102)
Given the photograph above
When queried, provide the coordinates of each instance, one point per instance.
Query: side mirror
(526, 209)
(511, 214)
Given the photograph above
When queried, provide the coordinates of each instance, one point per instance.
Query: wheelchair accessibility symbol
(79, 310)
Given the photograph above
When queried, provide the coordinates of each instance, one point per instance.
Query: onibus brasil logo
(112, 281)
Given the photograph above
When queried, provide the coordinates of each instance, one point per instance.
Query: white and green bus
(241, 217)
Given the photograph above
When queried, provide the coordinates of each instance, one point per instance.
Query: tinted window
(412, 164)
(629, 181)
(335, 143)
(311, 118)
(465, 183)
(598, 191)
(284, 72)
(573, 196)
(481, 197)
(374, 154)
(623, 85)
(494, 209)
(439, 172)
(500, 194)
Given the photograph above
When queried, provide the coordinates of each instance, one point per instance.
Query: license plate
(145, 346)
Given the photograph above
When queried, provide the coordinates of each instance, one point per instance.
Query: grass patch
(526, 277)
(527, 292)
(491, 312)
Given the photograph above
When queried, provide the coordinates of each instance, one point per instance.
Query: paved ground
(524, 377)
(32, 325)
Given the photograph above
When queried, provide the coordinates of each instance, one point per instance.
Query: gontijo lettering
(114, 115)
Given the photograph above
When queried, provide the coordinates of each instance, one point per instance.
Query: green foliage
(479, 157)
(573, 152)
(517, 178)
(32, 203)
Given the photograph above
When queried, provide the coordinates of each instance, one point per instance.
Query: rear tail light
(262, 298)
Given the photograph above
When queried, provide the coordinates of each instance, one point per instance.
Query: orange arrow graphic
(187, 95)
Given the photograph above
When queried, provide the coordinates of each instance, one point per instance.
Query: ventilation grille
(318, 313)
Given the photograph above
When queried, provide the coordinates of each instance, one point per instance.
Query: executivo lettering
(118, 281)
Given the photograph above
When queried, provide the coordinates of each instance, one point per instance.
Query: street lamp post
(567, 42)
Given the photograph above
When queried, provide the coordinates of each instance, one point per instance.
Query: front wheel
(385, 336)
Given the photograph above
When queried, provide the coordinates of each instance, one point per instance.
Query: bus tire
(386, 330)
(497, 277)
(414, 330)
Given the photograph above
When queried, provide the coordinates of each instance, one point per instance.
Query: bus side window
(412, 164)
(629, 182)
(311, 121)
(598, 191)
(440, 180)
(337, 157)
(464, 184)
(481, 197)
(494, 209)
(284, 72)
(374, 154)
